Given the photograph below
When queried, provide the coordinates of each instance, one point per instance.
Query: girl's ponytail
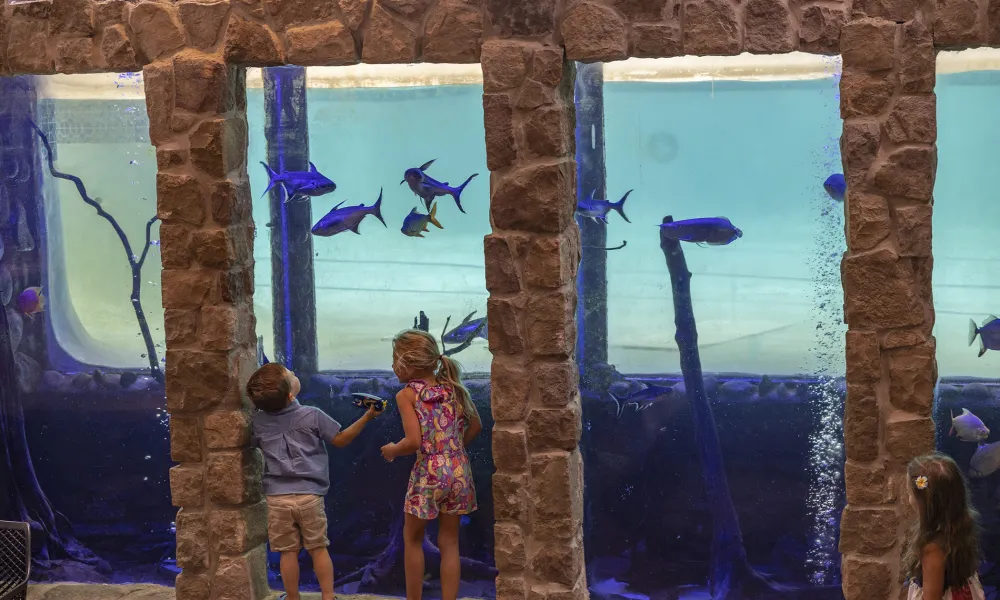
(450, 372)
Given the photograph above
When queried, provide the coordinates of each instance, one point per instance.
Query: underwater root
(619, 247)
(135, 262)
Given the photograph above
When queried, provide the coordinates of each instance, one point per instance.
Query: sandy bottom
(88, 591)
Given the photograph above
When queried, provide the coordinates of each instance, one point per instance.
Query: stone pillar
(889, 155)
(531, 263)
(197, 121)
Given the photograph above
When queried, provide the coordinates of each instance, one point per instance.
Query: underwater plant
(135, 263)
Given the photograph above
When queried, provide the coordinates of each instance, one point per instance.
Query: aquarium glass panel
(966, 275)
(749, 449)
(80, 347)
(337, 278)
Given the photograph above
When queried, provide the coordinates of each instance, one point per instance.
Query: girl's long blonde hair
(417, 351)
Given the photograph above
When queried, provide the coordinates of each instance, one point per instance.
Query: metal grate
(15, 560)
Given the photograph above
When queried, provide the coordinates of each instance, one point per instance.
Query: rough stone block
(534, 94)
(522, 18)
(557, 485)
(869, 44)
(388, 38)
(187, 485)
(505, 65)
(157, 29)
(218, 146)
(512, 587)
(869, 484)
(859, 146)
(913, 119)
(230, 202)
(917, 66)
(193, 552)
(353, 12)
(501, 268)
(503, 327)
(864, 94)
(183, 288)
(222, 327)
(498, 116)
(242, 577)
(234, 476)
(453, 33)
(509, 547)
(656, 40)
(202, 21)
(819, 28)
(861, 423)
(206, 378)
(993, 23)
(866, 578)
(116, 49)
(181, 326)
(510, 449)
(913, 230)
(554, 428)
(178, 197)
(868, 531)
(227, 429)
(214, 248)
(552, 260)
(286, 14)
(193, 586)
(27, 47)
(554, 384)
(236, 285)
(239, 530)
(509, 385)
(868, 220)
(108, 13)
(550, 322)
(909, 438)
(185, 439)
(546, 132)
(537, 198)
(711, 27)
(898, 11)
(770, 27)
(548, 65)
(158, 81)
(76, 55)
(881, 291)
(510, 497)
(956, 23)
(642, 10)
(594, 32)
(863, 362)
(904, 338)
(329, 43)
(71, 17)
(908, 172)
(201, 82)
(251, 44)
(557, 562)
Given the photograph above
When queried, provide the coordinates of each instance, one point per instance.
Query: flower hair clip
(921, 482)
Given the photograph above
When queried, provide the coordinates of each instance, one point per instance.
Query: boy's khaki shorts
(296, 521)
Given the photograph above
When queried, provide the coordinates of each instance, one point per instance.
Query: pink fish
(31, 301)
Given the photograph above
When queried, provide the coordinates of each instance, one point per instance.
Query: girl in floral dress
(439, 420)
(942, 557)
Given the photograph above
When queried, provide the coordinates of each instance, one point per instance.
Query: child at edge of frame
(293, 439)
(941, 560)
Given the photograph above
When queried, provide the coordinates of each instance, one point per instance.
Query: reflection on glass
(733, 477)
(966, 272)
(81, 333)
(361, 236)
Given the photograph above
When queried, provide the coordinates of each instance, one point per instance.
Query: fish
(985, 460)
(597, 210)
(968, 427)
(836, 186)
(295, 183)
(428, 188)
(31, 301)
(469, 326)
(415, 223)
(714, 231)
(348, 218)
(368, 401)
(989, 334)
(642, 399)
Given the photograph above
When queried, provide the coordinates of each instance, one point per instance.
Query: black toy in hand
(368, 402)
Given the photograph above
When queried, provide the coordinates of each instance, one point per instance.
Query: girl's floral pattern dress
(972, 590)
(441, 480)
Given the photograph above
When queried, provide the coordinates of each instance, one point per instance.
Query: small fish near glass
(968, 427)
(836, 186)
(369, 401)
(427, 188)
(597, 210)
(299, 183)
(713, 231)
(348, 218)
(469, 326)
(31, 301)
(988, 334)
(415, 223)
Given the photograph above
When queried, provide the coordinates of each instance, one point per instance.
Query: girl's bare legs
(413, 554)
(450, 563)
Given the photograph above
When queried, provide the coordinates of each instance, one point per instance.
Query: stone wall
(192, 54)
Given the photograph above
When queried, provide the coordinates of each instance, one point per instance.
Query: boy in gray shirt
(293, 440)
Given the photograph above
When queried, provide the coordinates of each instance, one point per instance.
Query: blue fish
(339, 220)
(714, 231)
(597, 209)
(836, 186)
(988, 334)
(428, 188)
(415, 223)
(305, 183)
(468, 327)
(643, 399)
